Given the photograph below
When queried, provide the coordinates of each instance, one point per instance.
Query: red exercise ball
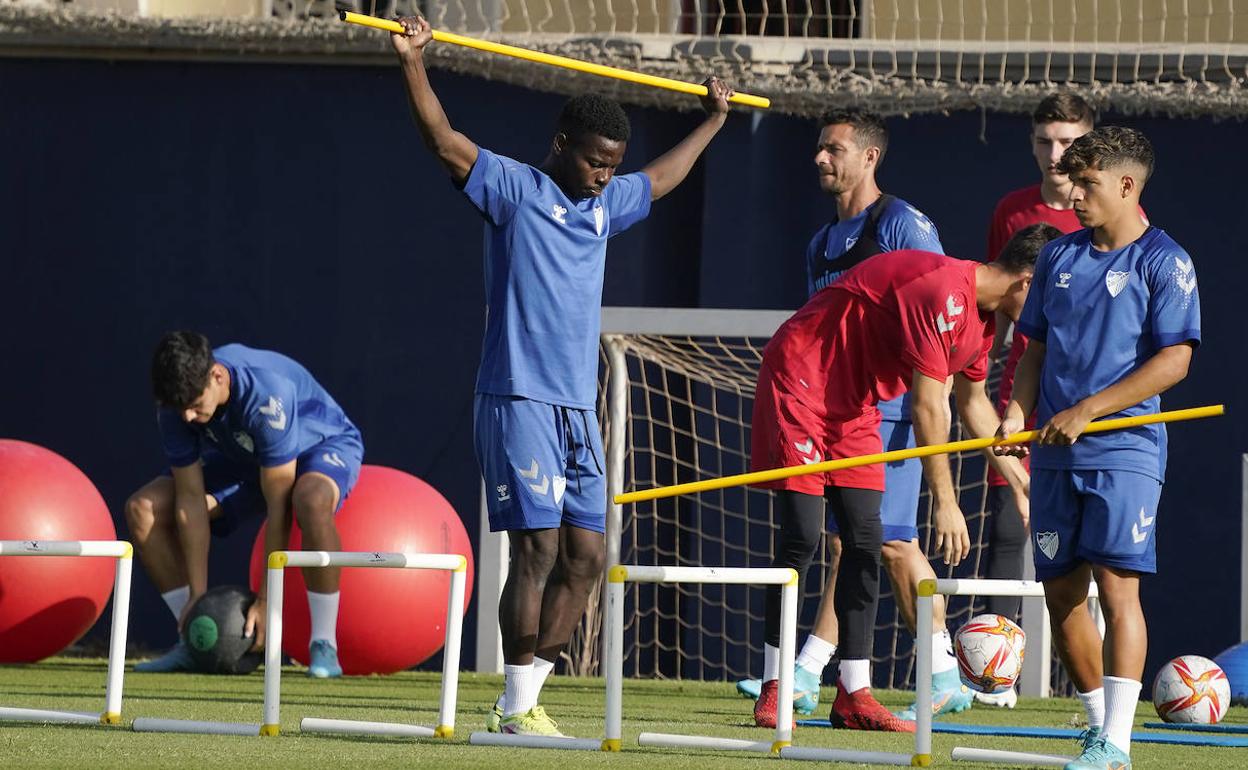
(388, 619)
(48, 602)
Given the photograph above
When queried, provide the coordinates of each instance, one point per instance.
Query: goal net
(1176, 57)
(677, 392)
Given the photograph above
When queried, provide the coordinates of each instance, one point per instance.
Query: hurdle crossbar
(927, 590)
(123, 552)
(278, 562)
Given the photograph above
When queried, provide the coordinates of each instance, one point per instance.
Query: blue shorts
(543, 464)
(902, 484)
(1101, 517)
(236, 486)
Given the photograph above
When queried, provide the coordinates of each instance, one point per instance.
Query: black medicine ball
(213, 632)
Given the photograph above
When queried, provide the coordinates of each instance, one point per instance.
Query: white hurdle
(613, 656)
(927, 589)
(279, 561)
(123, 552)
(613, 663)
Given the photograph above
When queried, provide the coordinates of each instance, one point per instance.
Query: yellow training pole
(556, 61)
(905, 454)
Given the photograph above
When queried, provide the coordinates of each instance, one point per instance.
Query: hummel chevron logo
(1139, 530)
(807, 450)
(531, 473)
(275, 413)
(543, 487)
(1187, 281)
(952, 311)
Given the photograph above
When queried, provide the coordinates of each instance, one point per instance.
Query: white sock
(518, 695)
(1094, 705)
(855, 675)
(942, 652)
(1121, 697)
(323, 609)
(541, 670)
(771, 662)
(815, 655)
(177, 599)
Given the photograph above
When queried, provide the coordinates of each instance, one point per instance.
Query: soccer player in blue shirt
(1113, 318)
(244, 431)
(536, 432)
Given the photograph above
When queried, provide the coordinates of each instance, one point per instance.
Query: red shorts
(787, 431)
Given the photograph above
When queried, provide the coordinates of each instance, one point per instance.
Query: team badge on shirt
(242, 439)
(1048, 542)
(1116, 281)
(558, 212)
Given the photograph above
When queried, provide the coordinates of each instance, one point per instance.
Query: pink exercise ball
(48, 602)
(388, 619)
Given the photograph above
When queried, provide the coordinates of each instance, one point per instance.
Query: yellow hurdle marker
(897, 455)
(748, 100)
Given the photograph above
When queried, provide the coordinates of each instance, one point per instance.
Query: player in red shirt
(903, 320)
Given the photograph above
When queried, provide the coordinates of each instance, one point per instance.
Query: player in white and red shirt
(900, 321)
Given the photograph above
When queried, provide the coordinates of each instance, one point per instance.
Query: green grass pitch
(658, 706)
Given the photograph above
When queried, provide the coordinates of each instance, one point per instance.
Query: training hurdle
(279, 561)
(927, 590)
(613, 663)
(123, 552)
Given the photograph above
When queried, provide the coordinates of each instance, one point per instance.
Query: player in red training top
(903, 320)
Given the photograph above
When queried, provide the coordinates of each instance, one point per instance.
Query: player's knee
(140, 516)
(895, 553)
(796, 550)
(583, 567)
(1062, 595)
(862, 536)
(834, 547)
(533, 557)
(314, 504)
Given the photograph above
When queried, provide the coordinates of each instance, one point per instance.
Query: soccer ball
(989, 649)
(1192, 690)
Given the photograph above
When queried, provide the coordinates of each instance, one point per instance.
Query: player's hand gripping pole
(748, 100)
(968, 445)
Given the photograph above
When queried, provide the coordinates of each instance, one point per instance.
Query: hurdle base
(813, 754)
(674, 741)
(968, 754)
(191, 726)
(52, 717)
(353, 727)
(535, 741)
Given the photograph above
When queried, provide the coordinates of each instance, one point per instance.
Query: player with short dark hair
(1113, 318)
(245, 431)
(536, 429)
(903, 321)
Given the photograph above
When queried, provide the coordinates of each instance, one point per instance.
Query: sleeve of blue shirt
(180, 442)
(497, 184)
(905, 227)
(1031, 322)
(273, 420)
(628, 201)
(1174, 311)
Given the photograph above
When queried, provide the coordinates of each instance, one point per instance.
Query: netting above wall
(1176, 57)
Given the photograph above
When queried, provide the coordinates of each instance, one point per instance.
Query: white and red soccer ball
(989, 649)
(1192, 690)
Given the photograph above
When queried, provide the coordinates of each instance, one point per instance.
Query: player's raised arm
(929, 411)
(670, 169)
(456, 151)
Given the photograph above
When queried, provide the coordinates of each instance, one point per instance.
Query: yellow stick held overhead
(696, 89)
(967, 445)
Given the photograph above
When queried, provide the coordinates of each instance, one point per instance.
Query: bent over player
(1113, 318)
(536, 431)
(897, 322)
(245, 431)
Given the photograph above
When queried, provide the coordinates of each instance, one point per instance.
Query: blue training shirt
(545, 254)
(275, 413)
(901, 227)
(1101, 315)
